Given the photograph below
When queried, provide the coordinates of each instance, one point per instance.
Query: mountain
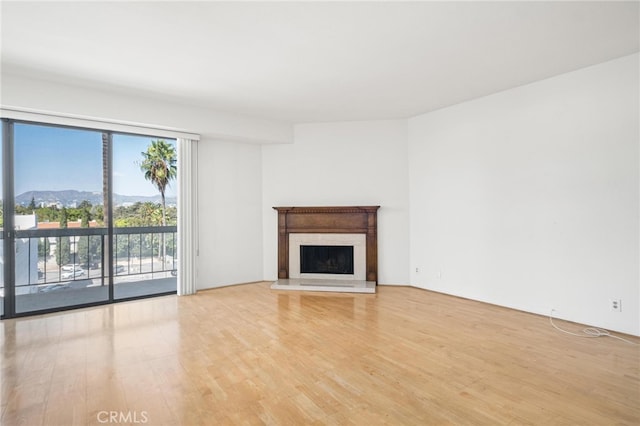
(71, 198)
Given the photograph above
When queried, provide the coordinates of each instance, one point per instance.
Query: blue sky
(52, 158)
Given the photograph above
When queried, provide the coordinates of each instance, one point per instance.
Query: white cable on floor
(589, 331)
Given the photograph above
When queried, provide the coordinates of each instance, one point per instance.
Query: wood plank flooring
(250, 355)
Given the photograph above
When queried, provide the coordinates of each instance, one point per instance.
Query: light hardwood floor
(249, 355)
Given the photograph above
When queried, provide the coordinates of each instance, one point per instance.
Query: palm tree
(106, 201)
(159, 167)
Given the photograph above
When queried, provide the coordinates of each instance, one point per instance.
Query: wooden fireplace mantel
(328, 220)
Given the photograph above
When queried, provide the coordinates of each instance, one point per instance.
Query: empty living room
(327, 213)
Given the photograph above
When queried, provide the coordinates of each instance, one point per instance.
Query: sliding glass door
(57, 193)
(144, 250)
(87, 218)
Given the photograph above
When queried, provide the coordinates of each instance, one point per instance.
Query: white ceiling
(313, 61)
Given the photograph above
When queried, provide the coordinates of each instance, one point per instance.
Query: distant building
(26, 271)
(70, 225)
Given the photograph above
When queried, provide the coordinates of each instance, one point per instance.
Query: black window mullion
(9, 222)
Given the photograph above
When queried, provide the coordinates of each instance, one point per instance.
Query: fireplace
(354, 227)
(357, 243)
(326, 260)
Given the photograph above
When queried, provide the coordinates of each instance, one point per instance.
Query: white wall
(230, 213)
(350, 163)
(56, 97)
(528, 198)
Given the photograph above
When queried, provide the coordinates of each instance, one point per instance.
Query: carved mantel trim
(328, 220)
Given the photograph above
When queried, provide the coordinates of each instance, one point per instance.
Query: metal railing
(56, 256)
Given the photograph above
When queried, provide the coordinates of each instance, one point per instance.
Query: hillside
(70, 198)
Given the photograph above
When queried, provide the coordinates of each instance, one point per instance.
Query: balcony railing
(51, 259)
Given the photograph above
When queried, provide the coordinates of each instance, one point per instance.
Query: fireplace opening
(326, 259)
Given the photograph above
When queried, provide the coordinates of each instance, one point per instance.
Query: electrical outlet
(417, 270)
(616, 305)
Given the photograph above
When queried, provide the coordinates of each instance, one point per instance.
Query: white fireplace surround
(358, 241)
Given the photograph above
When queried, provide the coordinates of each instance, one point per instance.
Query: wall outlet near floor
(616, 305)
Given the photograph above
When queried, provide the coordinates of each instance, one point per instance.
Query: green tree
(88, 246)
(63, 249)
(146, 213)
(48, 214)
(44, 248)
(90, 251)
(159, 164)
(85, 213)
(32, 204)
(64, 218)
(97, 213)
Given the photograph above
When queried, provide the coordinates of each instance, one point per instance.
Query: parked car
(78, 272)
(71, 267)
(120, 269)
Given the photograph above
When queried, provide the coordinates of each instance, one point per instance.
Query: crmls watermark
(123, 417)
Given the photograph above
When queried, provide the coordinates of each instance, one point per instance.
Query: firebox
(316, 259)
